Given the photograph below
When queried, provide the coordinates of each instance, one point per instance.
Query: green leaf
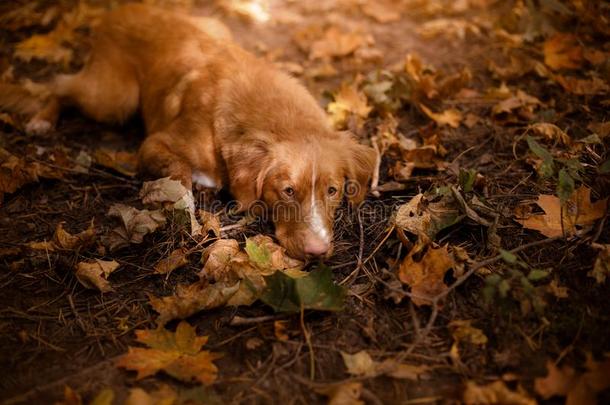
(467, 178)
(104, 397)
(508, 257)
(565, 186)
(527, 286)
(548, 167)
(258, 254)
(314, 291)
(493, 279)
(605, 167)
(536, 275)
(504, 288)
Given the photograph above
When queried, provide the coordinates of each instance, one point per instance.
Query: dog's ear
(359, 162)
(247, 165)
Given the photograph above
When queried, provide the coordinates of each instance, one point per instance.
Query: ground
(512, 128)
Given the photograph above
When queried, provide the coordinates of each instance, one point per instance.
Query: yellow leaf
(348, 102)
(451, 117)
(359, 363)
(562, 51)
(179, 354)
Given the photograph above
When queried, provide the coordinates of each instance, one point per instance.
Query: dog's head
(299, 183)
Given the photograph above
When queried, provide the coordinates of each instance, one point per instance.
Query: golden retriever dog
(218, 116)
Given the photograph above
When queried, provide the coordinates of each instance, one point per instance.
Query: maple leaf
(562, 51)
(426, 275)
(519, 101)
(551, 132)
(348, 102)
(336, 43)
(177, 258)
(576, 218)
(268, 256)
(495, 393)
(177, 353)
(135, 224)
(63, 240)
(15, 173)
(121, 161)
(451, 117)
(94, 274)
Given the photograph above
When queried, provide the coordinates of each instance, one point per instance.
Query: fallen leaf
(63, 240)
(402, 371)
(601, 268)
(94, 274)
(268, 256)
(449, 27)
(342, 394)
(348, 103)
(120, 161)
(381, 11)
(209, 223)
(451, 117)
(551, 132)
(495, 393)
(165, 395)
(104, 397)
(336, 43)
(15, 172)
(562, 51)
(520, 101)
(577, 217)
(426, 215)
(279, 330)
(423, 269)
(135, 224)
(176, 259)
(71, 397)
(583, 87)
(601, 129)
(359, 364)
(314, 291)
(178, 354)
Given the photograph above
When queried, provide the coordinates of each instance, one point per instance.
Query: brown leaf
(135, 224)
(578, 216)
(519, 101)
(495, 393)
(336, 43)
(424, 270)
(451, 117)
(121, 161)
(179, 354)
(209, 223)
(583, 87)
(425, 218)
(15, 172)
(601, 268)
(176, 259)
(63, 240)
(562, 51)
(551, 133)
(359, 363)
(94, 274)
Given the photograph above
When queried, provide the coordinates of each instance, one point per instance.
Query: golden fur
(213, 111)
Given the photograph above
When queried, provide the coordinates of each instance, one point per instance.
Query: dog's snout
(315, 246)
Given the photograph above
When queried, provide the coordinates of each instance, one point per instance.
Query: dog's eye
(289, 191)
(332, 191)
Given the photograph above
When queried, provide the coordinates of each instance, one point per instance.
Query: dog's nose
(315, 246)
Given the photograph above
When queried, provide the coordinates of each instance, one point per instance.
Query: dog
(215, 115)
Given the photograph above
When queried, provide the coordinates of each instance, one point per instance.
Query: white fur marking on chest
(203, 180)
(316, 222)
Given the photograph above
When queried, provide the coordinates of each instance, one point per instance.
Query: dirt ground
(56, 333)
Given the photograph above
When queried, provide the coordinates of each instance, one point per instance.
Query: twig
(375, 177)
(312, 357)
(354, 274)
(238, 320)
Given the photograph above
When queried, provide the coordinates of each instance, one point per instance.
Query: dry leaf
(578, 216)
(342, 394)
(381, 11)
(583, 87)
(209, 223)
(94, 274)
(348, 102)
(359, 363)
(551, 132)
(449, 27)
(176, 259)
(601, 268)
(135, 224)
(336, 43)
(425, 276)
(15, 172)
(519, 101)
(279, 330)
(451, 117)
(562, 51)
(179, 354)
(63, 240)
(165, 395)
(495, 393)
(422, 217)
(123, 162)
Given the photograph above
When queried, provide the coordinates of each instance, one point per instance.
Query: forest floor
(491, 123)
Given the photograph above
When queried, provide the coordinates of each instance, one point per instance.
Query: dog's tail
(19, 99)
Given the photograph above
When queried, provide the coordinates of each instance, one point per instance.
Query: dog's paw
(38, 126)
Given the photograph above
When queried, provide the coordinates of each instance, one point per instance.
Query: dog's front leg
(156, 157)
